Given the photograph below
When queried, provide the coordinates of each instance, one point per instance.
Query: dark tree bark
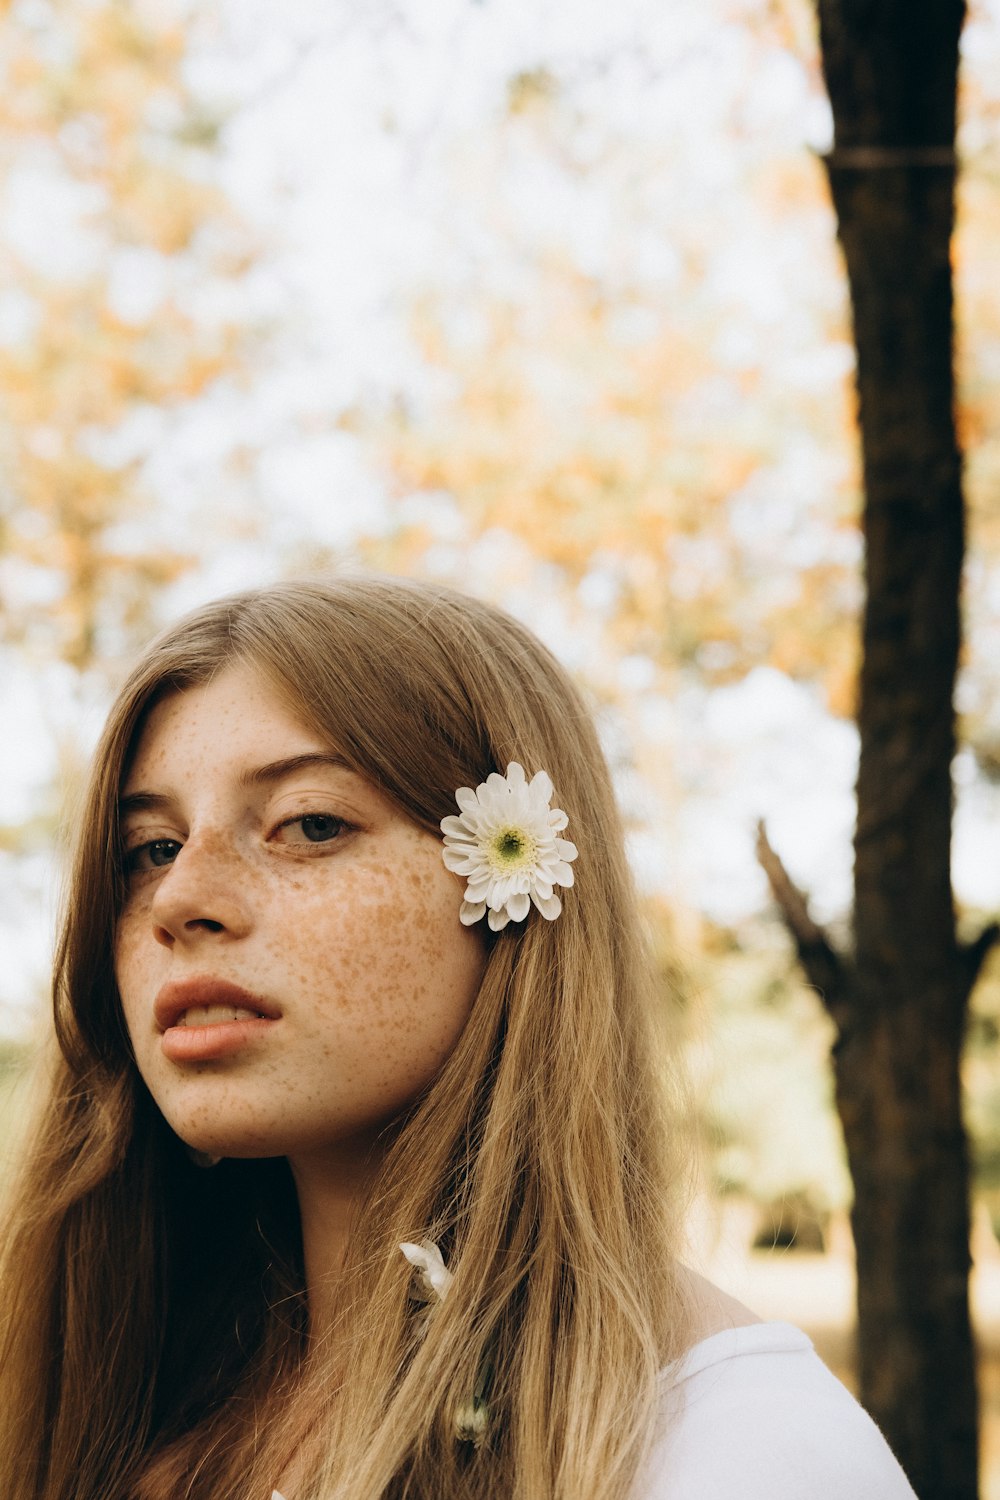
(900, 999)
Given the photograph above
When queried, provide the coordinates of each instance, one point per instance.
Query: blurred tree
(900, 999)
(113, 237)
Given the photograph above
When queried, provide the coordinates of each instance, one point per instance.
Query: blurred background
(543, 301)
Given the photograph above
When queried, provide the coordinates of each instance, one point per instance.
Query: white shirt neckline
(730, 1343)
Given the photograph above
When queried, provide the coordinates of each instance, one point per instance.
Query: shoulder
(752, 1413)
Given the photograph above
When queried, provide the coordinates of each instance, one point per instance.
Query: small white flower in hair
(433, 1276)
(506, 845)
(434, 1279)
(471, 1422)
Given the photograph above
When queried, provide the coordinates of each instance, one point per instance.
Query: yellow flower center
(511, 849)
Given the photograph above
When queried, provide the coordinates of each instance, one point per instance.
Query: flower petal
(456, 828)
(541, 787)
(467, 799)
(549, 906)
(427, 1262)
(518, 906)
(498, 920)
(470, 912)
(459, 861)
(566, 849)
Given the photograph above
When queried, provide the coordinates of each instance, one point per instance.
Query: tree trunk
(900, 1000)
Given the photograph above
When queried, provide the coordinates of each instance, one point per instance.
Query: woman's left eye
(312, 828)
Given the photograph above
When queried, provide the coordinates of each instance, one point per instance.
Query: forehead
(237, 715)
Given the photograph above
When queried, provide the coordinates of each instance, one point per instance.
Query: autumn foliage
(114, 234)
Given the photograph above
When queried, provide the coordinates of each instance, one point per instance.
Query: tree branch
(824, 967)
(973, 955)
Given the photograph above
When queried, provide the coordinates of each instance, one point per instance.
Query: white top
(753, 1414)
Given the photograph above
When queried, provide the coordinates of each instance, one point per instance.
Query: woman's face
(290, 958)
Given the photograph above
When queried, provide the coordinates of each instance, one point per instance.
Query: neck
(330, 1186)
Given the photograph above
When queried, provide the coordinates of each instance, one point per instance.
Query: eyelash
(131, 858)
(324, 817)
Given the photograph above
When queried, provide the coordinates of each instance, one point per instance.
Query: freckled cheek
(328, 950)
(404, 972)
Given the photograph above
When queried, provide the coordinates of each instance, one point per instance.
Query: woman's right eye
(151, 856)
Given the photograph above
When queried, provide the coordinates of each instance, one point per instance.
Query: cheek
(399, 962)
(129, 969)
(436, 959)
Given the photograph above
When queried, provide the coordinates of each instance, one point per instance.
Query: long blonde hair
(153, 1336)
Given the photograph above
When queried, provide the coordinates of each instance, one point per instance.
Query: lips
(202, 1001)
(206, 1020)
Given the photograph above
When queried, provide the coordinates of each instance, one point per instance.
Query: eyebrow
(266, 775)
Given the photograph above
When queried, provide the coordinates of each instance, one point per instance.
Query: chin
(218, 1142)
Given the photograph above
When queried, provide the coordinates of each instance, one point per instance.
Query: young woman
(354, 1176)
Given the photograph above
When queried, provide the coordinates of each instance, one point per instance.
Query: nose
(204, 892)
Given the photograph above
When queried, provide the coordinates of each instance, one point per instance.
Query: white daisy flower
(506, 845)
(433, 1275)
